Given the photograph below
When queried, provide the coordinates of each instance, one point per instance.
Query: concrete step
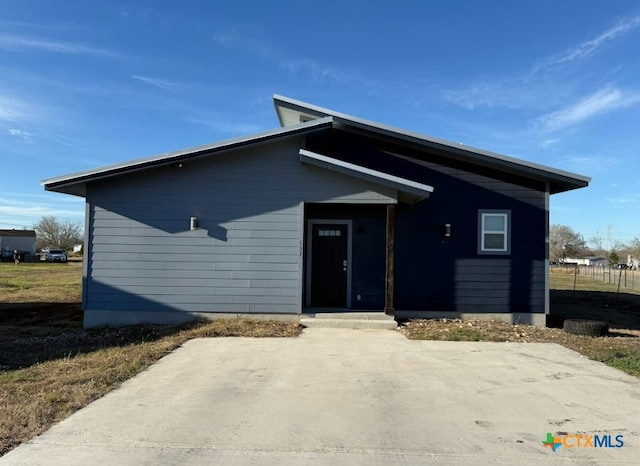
(311, 322)
(352, 315)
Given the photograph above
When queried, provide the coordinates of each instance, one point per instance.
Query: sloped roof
(18, 233)
(410, 191)
(75, 183)
(291, 111)
(298, 117)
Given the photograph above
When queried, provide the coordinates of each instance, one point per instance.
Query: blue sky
(85, 84)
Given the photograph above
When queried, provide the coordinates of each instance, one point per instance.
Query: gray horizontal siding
(179, 249)
(204, 274)
(162, 241)
(179, 224)
(245, 257)
(167, 283)
(122, 258)
(144, 235)
(195, 293)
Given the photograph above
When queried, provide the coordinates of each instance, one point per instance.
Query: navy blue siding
(368, 256)
(434, 273)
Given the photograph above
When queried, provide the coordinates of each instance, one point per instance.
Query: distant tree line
(54, 233)
(565, 243)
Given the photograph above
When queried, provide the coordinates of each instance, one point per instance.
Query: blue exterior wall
(245, 257)
(435, 273)
(252, 206)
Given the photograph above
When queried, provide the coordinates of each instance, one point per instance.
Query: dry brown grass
(50, 366)
(619, 349)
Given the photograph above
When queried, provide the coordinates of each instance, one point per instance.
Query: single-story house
(327, 212)
(22, 240)
(592, 261)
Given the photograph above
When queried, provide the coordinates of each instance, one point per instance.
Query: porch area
(361, 320)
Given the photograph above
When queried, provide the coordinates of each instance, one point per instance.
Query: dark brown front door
(329, 267)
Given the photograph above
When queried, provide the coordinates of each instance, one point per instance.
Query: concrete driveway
(353, 397)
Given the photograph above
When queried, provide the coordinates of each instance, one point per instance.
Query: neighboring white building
(592, 261)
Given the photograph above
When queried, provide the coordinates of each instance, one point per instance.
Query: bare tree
(634, 246)
(54, 233)
(597, 243)
(564, 242)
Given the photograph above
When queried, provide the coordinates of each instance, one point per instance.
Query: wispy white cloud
(625, 200)
(552, 79)
(19, 212)
(591, 163)
(312, 70)
(35, 27)
(13, 198)
(14, 110)
(18, 133)
(590, 46)
(510, 93)
(17, 43)
(602, 101)
(547, 143)
(224, 126)
(234, 37)
(318, 73)
(157, 82)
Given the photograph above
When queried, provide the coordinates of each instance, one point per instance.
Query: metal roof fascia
(465, 151)
(512, 163)
(385, 179)
(177, 156)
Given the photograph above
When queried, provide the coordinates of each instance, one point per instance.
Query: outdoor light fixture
(447, 230)
(193, 223)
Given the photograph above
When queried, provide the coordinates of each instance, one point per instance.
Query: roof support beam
(390, 242)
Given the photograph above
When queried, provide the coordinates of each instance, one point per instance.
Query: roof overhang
(409, 191)
(291, 111)
(75, 183)
(301, 118)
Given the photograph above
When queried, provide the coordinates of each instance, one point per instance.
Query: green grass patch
(626, 359)
(630, 364)
(12, 286)
(40, 282)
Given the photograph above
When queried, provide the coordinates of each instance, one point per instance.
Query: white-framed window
(494, 232)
